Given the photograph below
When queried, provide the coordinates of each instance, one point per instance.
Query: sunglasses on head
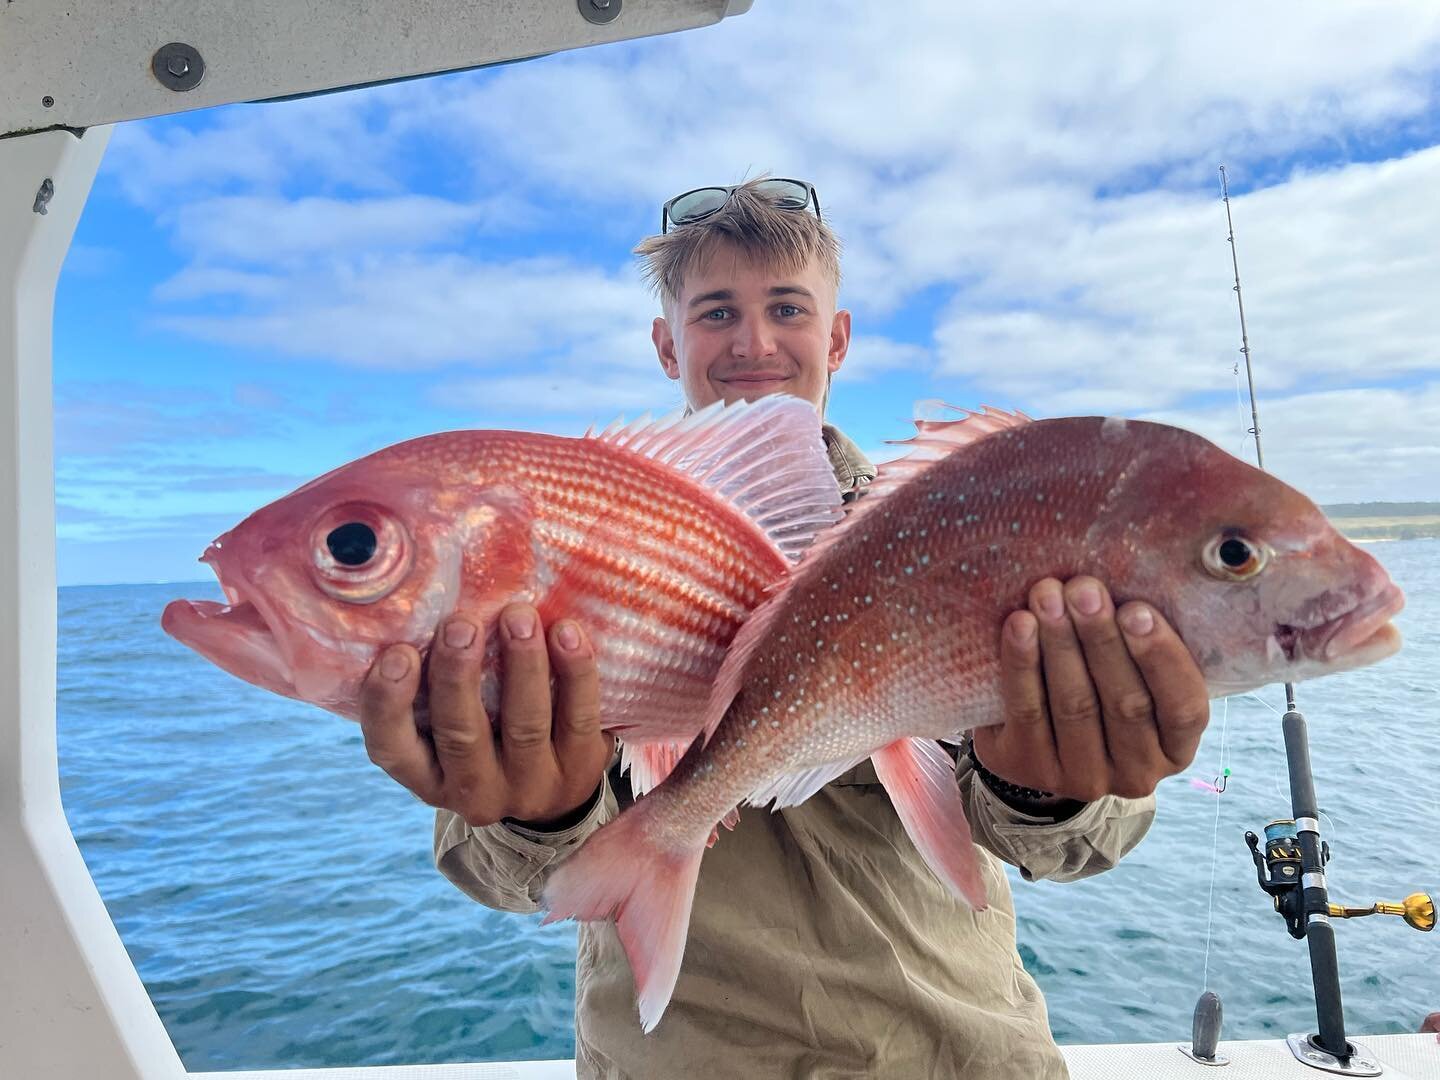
(697, 205)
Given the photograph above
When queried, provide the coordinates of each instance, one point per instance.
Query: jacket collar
(852, 468)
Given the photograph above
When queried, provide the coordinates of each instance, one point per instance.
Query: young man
(819, 944)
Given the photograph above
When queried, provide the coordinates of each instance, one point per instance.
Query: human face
(739, 331)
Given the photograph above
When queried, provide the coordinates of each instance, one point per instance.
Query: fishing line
(1215, 845)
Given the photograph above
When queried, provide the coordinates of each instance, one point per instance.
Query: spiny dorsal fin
(936, 439)
(766, 458)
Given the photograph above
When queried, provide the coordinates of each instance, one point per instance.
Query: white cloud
(1042, 178)
(871, 356)
(1359, 445)
(332, 141)
(594, 398)
(411, 312)
(1133, 308)
(940, 132)
(269, 229)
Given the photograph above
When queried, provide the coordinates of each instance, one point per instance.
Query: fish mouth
(234, 636)
(1357, 637)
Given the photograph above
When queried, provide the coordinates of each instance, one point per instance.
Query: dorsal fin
(933, 440)
(766, 458)
(937, 439)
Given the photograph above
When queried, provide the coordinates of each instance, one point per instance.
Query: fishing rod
(1291, 869)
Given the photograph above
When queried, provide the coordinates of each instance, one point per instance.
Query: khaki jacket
(820, 945)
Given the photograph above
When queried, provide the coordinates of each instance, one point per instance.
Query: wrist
(1033, 802)
(561, 822)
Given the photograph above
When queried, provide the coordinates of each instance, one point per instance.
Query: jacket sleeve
(1092, 841)
(504, 866)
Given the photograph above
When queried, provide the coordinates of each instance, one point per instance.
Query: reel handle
(1417, 909)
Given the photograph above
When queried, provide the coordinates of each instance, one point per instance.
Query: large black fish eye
(1235, 553)
(352, 544)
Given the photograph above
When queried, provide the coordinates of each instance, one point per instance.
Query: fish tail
(621, 872)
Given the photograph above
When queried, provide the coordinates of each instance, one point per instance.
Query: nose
(753, 339)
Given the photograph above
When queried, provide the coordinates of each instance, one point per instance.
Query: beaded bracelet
(1003, 788)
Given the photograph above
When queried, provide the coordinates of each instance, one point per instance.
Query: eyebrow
(726, 294)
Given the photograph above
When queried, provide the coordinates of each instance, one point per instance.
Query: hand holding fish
(1096, 702)
(550, 754)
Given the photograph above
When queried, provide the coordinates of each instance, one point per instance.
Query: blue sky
(1029, 205)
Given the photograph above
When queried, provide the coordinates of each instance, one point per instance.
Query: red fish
(658, 537)
(885, 639)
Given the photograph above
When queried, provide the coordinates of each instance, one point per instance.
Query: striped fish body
(658, 538)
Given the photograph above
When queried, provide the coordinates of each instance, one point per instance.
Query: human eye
(789, 311)
(716, 315)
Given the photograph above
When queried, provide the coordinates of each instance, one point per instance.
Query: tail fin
(619, 872)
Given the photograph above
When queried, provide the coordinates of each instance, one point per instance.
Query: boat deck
(1404, 1057)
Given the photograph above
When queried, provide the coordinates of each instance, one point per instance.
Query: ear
(665, 347)
(839, 341)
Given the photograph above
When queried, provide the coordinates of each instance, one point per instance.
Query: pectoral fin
(920, 780)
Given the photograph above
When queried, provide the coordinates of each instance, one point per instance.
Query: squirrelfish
(658, 538)
(886, 638)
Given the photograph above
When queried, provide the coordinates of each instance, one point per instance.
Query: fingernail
(1086, 598)
(1137, 621)
(521, 625)
(394, 665)
(569, 636)
(459, 634)
(1022, 631)
(1050, 603)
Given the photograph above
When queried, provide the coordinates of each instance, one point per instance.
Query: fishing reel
(1279, 871)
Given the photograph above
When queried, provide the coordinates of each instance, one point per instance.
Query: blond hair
(750, 221)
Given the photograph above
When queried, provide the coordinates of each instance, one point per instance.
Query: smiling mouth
(756, 376)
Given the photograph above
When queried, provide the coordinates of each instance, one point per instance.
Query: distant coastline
(1377, 521)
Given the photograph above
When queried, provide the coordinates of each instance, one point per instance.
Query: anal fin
(793, 788)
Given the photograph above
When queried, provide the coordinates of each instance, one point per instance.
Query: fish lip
(236, 634)
(1348, 631)
(250, 648)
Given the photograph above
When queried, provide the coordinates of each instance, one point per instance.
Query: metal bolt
(600, 12)
(178, 66)
(47, 101)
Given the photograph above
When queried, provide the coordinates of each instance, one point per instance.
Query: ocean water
(276, 893)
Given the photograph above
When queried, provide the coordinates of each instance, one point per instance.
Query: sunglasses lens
(697, 204)
(786, 194)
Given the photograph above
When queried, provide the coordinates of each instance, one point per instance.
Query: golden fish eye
(1232, 557)
(359, 553)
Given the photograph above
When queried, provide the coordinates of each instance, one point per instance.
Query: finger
(1132, 740)
(1070, 696)
(387, 723)
(1174, 680)
(581, 751)
(1025, 743)
(526, 752)
(464, 741)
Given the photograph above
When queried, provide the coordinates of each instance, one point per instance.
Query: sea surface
(276, 891)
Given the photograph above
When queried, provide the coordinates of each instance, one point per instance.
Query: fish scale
(886, 638)
(949, 560)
